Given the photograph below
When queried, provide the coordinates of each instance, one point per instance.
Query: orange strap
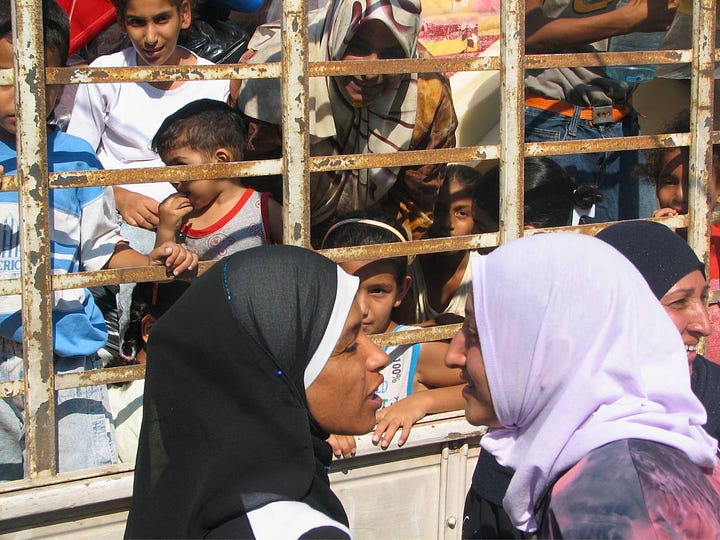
(568, 109)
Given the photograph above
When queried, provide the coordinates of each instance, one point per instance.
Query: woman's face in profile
(343, 398)
(685, 303)
(373, 41)
(465, 353)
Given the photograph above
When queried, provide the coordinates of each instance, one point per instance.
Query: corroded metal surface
(701, 126)
(40, 459)
(512, 125)
(295, 118)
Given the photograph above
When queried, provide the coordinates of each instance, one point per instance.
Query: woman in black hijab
(677, 277)
(247, 374)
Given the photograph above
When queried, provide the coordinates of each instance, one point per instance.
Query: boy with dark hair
(212, 217)
(84, 236)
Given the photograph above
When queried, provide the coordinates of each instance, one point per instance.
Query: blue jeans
(86, 437)
(627, 193)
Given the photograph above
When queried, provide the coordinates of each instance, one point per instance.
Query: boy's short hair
(364, 228)
(121, 6)
(56, 27)
(203, 125)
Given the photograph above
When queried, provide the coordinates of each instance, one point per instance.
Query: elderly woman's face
(343, 398)
(465, 353)
(685, 303)
(373, 41)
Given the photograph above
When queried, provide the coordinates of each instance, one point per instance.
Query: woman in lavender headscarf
(582, 378)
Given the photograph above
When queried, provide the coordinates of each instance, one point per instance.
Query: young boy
(84, 236)
(417, 382)
(213, 217)
(120, 119)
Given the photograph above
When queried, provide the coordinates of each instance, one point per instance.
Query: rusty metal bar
(512, 116)
(295, 123)
(701, 125)
(40, 458)
(80, 75)
(352, 161)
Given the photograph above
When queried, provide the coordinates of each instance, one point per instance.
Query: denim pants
(86, 437)
(627, 193)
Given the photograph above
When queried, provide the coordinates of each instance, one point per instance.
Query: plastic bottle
(636, 41)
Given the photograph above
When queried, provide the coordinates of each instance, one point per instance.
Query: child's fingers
(385, 431)
(404, 433)
(342, 445)
(178, 259)
(664, 212)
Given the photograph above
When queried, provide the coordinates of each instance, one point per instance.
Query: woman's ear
(146, 324)
(402, 290)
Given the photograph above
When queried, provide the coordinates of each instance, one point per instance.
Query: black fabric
(226, 428)
(705, 382)
(661, 255)
(484, 515)
(325, 533)
(483, 519)
(490, 479)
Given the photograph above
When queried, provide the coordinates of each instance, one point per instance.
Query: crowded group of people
(579, 354)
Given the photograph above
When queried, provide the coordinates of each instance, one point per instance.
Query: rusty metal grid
(37, 282)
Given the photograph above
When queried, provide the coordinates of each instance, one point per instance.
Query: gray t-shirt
(585, 87)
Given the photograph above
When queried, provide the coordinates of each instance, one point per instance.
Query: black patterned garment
(633, 488)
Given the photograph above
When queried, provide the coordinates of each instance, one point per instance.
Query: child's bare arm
(403, 414)
(342, 445)
(136, 209)
(172, 212)
(431, 370)
(275, 214)
(173, 256)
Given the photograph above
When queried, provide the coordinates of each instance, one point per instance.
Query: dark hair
(56, 27)
(121, 6)
(550, 194)
(356, 233)
(462, 174)
(203, 125)
(148, 298)
(653, 157)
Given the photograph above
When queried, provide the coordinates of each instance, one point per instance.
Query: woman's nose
(455, 356)
(701, 322)
(377, 359)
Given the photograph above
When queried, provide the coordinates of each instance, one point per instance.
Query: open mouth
(151, 53)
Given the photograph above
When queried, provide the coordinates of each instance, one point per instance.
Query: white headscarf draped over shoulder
(578, 353)
(336, 125)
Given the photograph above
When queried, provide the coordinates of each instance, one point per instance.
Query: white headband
(347, 286)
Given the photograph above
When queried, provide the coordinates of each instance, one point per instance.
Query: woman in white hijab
(359, 114)
(579, 375)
